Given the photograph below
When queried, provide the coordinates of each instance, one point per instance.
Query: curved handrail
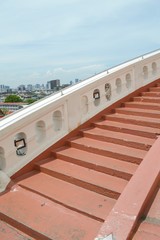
(82, 82)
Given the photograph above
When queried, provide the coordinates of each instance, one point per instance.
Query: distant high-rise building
(42, 86)
(30, 87)
(48, 85)
(37, 86)
(4, 88)
(53, 84)
(21, 88)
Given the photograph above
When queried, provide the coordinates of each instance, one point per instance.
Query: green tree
(5, 111)
(13, 98)
(30, 100)
(1, 112)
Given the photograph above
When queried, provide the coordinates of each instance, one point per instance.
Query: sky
(41, 40)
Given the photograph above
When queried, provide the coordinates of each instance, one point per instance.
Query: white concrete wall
(45, 122)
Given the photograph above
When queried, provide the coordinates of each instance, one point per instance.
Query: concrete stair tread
(88, 202)
(147, 99)
(95, 181)
(151, 94)
(8, 232)
(102, 148)
(130, 110)
(142, 105)
(35, 214)
(146, 131)
(119, 138)
(97, 162)
(154, 89)
(138, 120)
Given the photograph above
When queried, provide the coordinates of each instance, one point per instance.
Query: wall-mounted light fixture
(96, 94)
(20, 144)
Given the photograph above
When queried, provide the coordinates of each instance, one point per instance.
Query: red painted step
(88, 203)
(138, 112)
(128, 128)
(84, 177)
(109, 149)
(8, 232)
(138, 120)
(151, 94)
(154, 89)
(43, 219)
(97, 162)
(142, 105)
(147, 99)
(119, 138)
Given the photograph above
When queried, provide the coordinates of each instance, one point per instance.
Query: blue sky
(42, 40)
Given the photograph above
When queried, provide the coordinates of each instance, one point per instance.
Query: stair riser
(154, 89)
(143, 114)
(106, 153)
(118, 141)
(134, 121)
(63, 204)
(149, 100)
(134, 105)
(80, 183)
(22, 227)
(151, 94)
(125, 130)
(109, 171)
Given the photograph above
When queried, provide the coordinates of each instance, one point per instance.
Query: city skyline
(69, 39)
(44, 85)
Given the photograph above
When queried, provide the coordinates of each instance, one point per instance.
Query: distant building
(53, 84)
(21, 88)
(11, 106)
(48, 85)
(30, 87)
(42, 87)
(37, 86)
(4, 88)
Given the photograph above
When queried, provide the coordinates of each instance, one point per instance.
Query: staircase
(69, 195)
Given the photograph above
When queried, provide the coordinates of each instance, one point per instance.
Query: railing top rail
(4, 122)
(136, 59)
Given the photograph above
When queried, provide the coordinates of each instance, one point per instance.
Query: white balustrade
(28, 132)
